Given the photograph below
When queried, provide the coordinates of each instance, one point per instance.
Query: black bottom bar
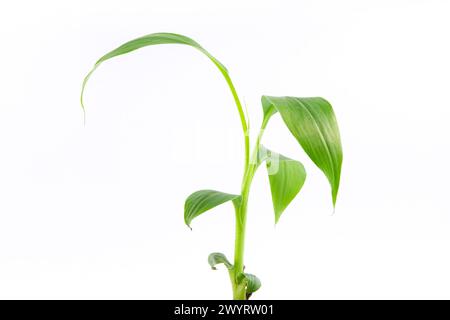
(262, 310)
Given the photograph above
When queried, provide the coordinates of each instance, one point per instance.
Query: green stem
(242, 118)
(239, 292)
(241, 209)
(250, 166)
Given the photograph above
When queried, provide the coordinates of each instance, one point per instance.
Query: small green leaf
(216, 258)
(253, 284)
(313, 124)
(149, 40)
(203, 200)
(286, 177)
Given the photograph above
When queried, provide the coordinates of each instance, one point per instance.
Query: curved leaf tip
(148, 40)
(216, 258)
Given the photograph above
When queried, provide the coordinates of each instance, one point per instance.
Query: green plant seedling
(312, 123)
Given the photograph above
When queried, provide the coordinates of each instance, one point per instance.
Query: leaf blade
(286, 178)
(204, 200)
(149, 40)
(253, 284)
(155, 39)
(313, 123)
(216, 258)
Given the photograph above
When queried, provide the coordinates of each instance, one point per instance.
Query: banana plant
(311, 121)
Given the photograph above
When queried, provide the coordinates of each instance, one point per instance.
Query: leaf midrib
(324, 141)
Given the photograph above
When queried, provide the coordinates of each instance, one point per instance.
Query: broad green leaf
(203, 200)
(313, 124)
(286, 177)
(216, 258)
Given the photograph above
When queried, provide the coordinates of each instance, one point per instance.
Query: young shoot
(312, 123)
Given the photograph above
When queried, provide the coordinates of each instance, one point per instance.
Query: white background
(97, 211)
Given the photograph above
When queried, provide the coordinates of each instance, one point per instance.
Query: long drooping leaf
(203, 200)
(216, 258)
(167, 38)
(286, 177)
(313, 124)
(149, 40)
